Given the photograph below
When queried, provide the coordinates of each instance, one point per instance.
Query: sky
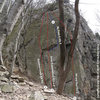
(89, 9)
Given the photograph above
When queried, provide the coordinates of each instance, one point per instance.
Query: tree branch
(70, 54)
(62, 35)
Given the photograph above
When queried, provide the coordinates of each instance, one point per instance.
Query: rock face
(85, 54)
(16, 90)
(65, 1)
(7, 88)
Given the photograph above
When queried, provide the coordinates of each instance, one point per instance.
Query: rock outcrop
(14, 89)
(85, 54)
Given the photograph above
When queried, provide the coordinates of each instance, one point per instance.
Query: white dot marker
(45, 87)
(74, 98)
(53, 22)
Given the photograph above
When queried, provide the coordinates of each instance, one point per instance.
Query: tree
(63, 51)
(8, 20)
(24, 20)
(98, 21)
(98, 16)
(40, 3)
(97, 35)
(11, 14)
(65, 1)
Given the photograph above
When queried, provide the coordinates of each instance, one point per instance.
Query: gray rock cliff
(85, 55)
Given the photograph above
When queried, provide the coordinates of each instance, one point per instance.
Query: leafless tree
(98, 16)
(63, 51)
(9, 18)
(39, 3)
(24, 19)
(98, 21)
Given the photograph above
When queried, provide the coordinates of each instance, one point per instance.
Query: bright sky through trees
(89, 9)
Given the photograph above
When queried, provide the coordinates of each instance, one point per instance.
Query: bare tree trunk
(62, 34)
(21, 27)
(9, 6)
(8, 21)
(61, 83)
(2, 39)
(2, 6)
(62, 48)
(16, 46)
(64, 73)
(14, 15)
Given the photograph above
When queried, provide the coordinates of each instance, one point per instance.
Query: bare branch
(2, 6)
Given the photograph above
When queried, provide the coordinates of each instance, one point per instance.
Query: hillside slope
(29, 51)
(20, 88)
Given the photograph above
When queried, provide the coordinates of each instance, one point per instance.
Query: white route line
(41, 74)
(52, 68)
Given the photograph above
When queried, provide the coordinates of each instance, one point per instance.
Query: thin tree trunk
(16, 47)
(2, 39)
(13, 19)
(2, 6)
(61, 83)
(9, 6)
(6, 25)
(64, 74)
(62, 48)
(62, 34)
(21, 26)
(70, 54)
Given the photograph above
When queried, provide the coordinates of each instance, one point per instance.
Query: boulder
(7, 88)
(3, 68)
(6, 73)
(3, 79)
(36, 96)
(17, 77)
